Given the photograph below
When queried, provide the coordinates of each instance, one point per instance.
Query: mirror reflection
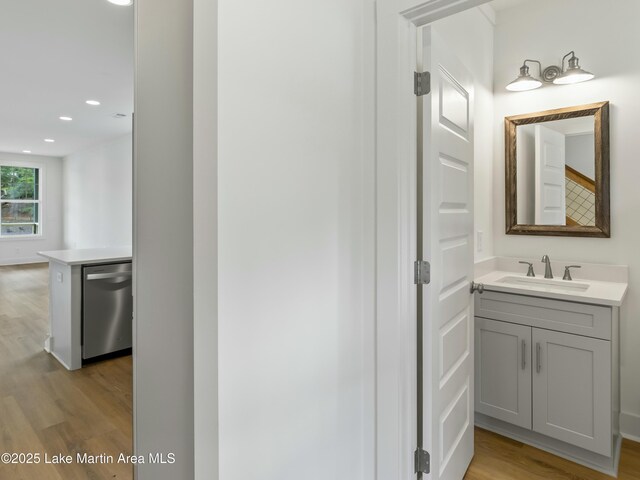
(556, 180)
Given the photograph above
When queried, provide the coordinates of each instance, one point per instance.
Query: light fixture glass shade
(524, 81)
(522, 84)
(574, 75)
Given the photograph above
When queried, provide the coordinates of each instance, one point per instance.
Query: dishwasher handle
(103, 276)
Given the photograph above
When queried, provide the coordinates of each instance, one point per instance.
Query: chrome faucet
(547, 267)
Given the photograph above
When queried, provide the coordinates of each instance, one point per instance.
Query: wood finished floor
(45, 408)
(500, 458)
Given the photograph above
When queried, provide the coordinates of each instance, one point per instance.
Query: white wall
(581, 154)
(97, 195)
(26, 250)
(295, 324)
(526, 167)
(469, 35)
(205, 238)
(601, 39)
(163, 252)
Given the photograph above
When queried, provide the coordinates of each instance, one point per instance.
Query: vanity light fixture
(121, 3)
(551, 74)
(573, 73)
(525, 81)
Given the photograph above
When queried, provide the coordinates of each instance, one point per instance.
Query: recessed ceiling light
(93, 102)
(122, 3)
(26, 151)
(49, 140)
(66, 119)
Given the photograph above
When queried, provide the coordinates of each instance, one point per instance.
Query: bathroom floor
(500, 458)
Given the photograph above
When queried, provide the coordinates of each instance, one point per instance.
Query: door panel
(550, 177)
(572, 389)
(447, 242)
(503, 371)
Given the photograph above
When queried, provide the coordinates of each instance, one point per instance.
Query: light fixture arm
(572, 54)
(524, 70)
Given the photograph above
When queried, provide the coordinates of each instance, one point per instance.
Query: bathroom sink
(546, 284)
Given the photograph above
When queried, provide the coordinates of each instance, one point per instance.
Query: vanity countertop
(88, 256)
(579, 290)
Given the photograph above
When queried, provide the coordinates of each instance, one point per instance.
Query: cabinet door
(503, 371)
(572, 389)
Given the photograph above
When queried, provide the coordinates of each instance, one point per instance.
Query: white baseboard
(630, 426)
(21, 261)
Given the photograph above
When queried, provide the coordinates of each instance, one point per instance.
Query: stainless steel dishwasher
(107, 309)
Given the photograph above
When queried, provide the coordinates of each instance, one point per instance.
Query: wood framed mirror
(557, 172)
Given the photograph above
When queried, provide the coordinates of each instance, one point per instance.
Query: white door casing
(550, 177)
(448, 244)
(396, 22)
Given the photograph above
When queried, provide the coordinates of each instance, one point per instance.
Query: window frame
(40, 201)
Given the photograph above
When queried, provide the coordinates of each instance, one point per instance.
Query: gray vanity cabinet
(546, 372)
(503, 371)
(572, 389)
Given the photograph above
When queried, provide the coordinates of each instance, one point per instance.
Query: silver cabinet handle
(524, 353)
(102, 276)
(538, 359)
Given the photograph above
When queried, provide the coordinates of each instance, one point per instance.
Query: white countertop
(598, 292)
(88, 256)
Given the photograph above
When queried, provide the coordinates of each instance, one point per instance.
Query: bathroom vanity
(547, 361)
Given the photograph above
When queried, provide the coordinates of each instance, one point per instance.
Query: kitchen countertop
(89, 256)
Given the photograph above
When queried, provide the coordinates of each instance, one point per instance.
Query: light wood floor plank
(500, 458)
(47, 409)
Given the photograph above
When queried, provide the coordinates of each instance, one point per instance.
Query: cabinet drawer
(578, 318)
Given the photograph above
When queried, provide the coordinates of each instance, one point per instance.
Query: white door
(572, 389)
(550, 177)
(503, 371)
(447, 242)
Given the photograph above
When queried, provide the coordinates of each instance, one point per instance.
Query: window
(20, 201)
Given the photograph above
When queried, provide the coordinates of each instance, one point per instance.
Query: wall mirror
(557, 172)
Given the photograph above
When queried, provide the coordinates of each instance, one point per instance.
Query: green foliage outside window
(19, 192)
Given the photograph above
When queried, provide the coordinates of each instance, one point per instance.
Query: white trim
(21, 261)
(205, 239)
(41, 201)
(396, 132)
(489, 13)
(630, 426)
(55, 355)
(21, 238)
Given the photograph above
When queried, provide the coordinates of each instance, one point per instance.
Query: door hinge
(422, 461)
(421, 83)
(421, 272)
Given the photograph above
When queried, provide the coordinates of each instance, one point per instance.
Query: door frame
(396, 226)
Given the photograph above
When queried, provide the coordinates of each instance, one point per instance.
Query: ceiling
(499, 5)
(56, 54)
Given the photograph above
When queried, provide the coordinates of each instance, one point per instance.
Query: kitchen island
(64, 340)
